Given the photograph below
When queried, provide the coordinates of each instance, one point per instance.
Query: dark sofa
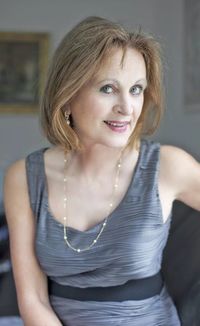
(8, 301)
(181, 263)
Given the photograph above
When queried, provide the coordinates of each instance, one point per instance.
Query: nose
(124, 105)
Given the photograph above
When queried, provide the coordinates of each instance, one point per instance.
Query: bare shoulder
(176, 160)
(15, 174)
(52, 154)
(53, 160)
(182, 171)
(16, 167)
(15, 190)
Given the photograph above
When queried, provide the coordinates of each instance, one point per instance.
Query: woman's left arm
(183, 173)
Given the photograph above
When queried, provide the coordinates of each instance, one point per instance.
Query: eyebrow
(117, 82)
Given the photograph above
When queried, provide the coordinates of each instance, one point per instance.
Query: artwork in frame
(192, 55)
(23, 68)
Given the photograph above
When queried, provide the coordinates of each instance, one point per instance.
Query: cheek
(86, 113)
(139, 105)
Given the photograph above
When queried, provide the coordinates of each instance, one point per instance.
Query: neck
(95, 161)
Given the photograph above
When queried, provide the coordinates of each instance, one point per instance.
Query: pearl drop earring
(67, 117)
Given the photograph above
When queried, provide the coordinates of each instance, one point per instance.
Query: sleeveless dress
(130, 247)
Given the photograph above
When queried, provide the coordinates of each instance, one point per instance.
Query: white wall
(20, 134)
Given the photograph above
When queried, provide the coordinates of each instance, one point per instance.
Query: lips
(118, 124)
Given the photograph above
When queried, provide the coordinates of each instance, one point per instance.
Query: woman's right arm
(31, 282)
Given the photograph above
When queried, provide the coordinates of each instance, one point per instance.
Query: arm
(182, 173)
(31, 283)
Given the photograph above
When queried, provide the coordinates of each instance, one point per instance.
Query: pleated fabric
(130, 247)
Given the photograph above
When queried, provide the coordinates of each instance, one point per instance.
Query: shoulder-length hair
(78, 57)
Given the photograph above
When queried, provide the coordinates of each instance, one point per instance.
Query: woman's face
(106, 110)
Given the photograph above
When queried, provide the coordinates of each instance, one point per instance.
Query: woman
(89, 217)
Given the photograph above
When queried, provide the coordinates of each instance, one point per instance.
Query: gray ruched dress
(130, 247)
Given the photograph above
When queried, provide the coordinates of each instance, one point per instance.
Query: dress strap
(35, 179)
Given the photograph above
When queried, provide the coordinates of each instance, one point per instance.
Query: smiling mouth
(118, 124)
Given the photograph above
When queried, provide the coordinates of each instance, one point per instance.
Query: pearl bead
(78, 250)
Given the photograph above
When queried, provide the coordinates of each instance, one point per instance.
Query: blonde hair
(78, 57)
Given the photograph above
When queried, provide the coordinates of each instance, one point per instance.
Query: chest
(88, 206)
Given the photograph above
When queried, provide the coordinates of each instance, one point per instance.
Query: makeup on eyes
(105, 89)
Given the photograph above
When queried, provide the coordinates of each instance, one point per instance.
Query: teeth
(114, 124)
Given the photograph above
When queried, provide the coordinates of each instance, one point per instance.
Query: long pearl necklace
(66, 199)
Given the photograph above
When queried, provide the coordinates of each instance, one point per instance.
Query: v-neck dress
(130, 247)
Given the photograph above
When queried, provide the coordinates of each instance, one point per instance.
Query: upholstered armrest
(181, 261)
(189, 307)
(8, 300)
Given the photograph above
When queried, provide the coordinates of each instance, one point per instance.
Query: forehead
(119, 62)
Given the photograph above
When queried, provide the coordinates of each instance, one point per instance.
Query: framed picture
(23, 68)
(192, 55)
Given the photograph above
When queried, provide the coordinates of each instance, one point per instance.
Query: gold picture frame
(23, 68)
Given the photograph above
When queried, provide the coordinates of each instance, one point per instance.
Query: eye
(136, 89)
(107, 89)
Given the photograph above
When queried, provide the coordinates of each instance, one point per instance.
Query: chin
(116, 143)
(109, 141)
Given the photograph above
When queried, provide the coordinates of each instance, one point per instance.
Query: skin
(93, 170)
(116, 93)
